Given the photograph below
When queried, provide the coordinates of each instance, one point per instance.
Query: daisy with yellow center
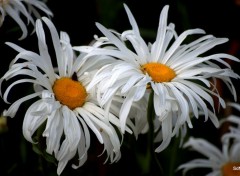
(225, 162)
(178, 74)
(27, 8)
(69, 92)
(65, 108)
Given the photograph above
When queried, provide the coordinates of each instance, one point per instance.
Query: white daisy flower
(28, 8)
(177, 73)
(65, 107)
(225, 162)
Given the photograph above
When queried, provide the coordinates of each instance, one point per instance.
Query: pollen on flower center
(69, 92)
(158, 72)
(231, 169)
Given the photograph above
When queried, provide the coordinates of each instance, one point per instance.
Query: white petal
(31, 122)
(71, 128)
(12, 12)
(158, 44)
(12, 110)
(166, 134)
(85, 115)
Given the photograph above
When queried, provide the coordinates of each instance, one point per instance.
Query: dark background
(77, 18)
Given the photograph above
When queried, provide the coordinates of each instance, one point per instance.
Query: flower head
(16, 8)
(64, 108)
(221, 162)
(178, 73)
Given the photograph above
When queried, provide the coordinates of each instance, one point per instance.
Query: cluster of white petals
(215, 159)
(18, 8)
(234, 119)
(189, 93)
(67, 131)
(221, 162)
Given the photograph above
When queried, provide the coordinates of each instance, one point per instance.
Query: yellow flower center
(231, 169)
(69, 92)
(158, 72)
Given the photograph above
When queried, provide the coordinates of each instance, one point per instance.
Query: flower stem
(154, 164)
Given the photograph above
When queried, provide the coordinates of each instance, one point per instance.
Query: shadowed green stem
(154, 166)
